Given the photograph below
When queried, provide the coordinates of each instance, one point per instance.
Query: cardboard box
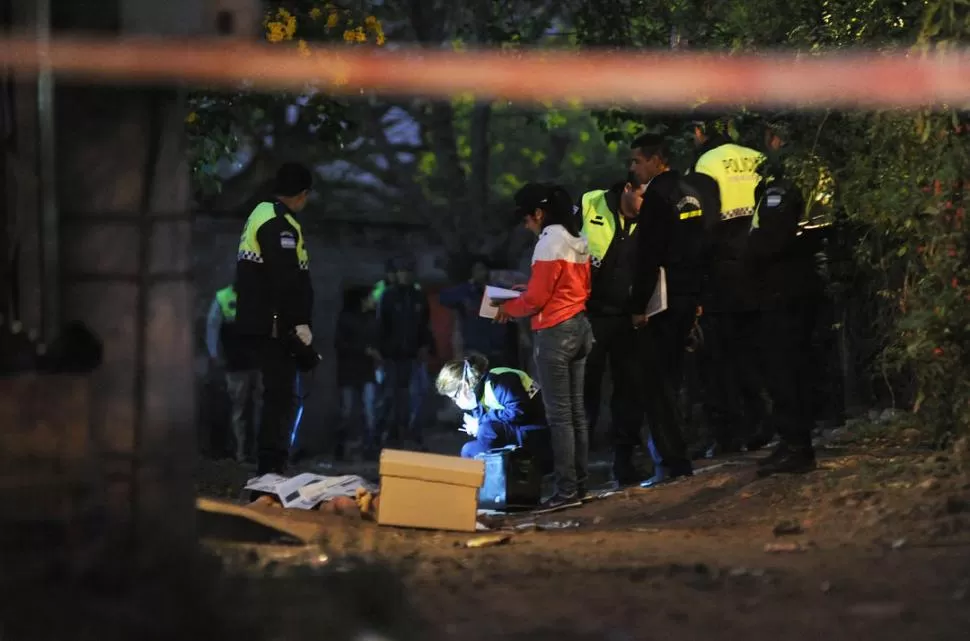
(429, 490)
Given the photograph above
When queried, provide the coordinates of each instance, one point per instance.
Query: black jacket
(276, 285)
(404, 323)
(356, 331)
(612, 281)
(672, 236)
(780, 263)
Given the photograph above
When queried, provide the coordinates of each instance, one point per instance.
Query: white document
(658, 302)
(306, 491)
(487, 310)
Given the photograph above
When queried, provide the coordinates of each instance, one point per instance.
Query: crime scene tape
(658, 80)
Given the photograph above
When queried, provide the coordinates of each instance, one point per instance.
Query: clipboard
(658, 302)
(487, 310)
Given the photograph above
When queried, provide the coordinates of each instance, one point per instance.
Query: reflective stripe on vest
(735, 169)
(599, 224)
(488, 400)
(226, 298)
(249, 245)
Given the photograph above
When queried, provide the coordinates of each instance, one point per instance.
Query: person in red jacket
(555, 299)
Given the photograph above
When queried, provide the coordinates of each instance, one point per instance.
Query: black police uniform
(673, 237)
(731, 378)
(275, 295)
(786, 287)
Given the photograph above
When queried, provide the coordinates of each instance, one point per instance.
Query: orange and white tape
(659, 80)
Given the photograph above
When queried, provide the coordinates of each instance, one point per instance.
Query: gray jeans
(560, 354)
(245, 387)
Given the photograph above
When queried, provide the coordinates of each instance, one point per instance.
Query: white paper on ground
(658, 302)
(306, 491)
(487, 310)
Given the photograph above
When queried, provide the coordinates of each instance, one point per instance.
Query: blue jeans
(560, 354)
(356, 400)
(405, 386)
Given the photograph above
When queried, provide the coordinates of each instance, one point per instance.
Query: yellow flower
(332, 19)
(303, 48)
(350, 35)
(192, 117)
(275, 32)
(315, 13)
(374, 26)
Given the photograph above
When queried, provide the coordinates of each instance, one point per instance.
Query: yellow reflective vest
(735, 169)
(249, 249)
(488, 400)
(599, 224)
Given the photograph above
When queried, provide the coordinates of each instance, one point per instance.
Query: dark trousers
(405, 384)
(785, 358)
(733, 381)
(661, 351)
(614, 346)
(278, 371)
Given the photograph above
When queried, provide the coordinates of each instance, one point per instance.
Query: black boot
(666, 473)
(788, 460)
(780, 451)
(625, 472)
(758, 440)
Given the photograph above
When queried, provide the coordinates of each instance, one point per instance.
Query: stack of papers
(306, 491)
(487, 310)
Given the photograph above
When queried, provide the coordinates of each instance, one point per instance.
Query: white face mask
(465, 400)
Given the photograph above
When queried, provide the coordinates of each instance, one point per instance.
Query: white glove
(303, 333)
(471, 425)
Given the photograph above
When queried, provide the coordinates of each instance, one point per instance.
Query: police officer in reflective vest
(788, 287)
(609, 222)
(243, 380)
(726, 175)
(274, 306)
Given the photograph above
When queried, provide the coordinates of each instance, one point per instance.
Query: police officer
(672, 236)
(243, 380)
(274, 305)
(786, 283)
(609, 222)
(725, 175)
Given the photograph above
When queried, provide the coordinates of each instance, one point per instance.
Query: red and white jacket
(560, 280)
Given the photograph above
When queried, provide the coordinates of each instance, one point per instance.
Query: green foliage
(894, 181)
(220, 124)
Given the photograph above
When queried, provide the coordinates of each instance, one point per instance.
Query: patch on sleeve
(287, 240)
(774, 196)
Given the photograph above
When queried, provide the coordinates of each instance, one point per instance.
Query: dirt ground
(873, 545)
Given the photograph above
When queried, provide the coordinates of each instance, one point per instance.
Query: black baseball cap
(531, 197)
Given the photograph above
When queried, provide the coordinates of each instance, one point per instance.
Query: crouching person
(501, 407)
